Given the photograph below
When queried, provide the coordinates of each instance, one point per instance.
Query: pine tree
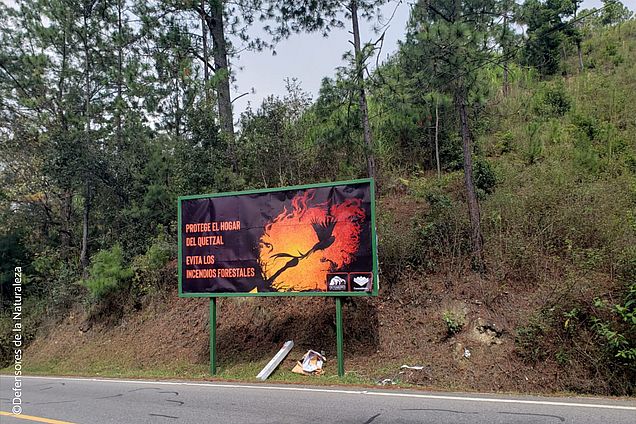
(449, 42)
(547, 30)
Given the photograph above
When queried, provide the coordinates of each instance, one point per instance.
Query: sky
(311, 57)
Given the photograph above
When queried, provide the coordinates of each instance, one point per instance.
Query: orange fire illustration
(299, 247)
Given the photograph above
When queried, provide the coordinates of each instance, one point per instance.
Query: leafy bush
(586, 158)
(442, 233)
(505, 142)
(395, 250)
(454, 322)
(485, 178)
(149, 268)
(158, 253)
(552, 100)
(529, 340)
(13, 252)
(587, 125)
(621, 339)
(106, 273)
(626, 262)
(424, 239)
(533, 152)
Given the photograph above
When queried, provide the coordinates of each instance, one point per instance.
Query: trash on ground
(310, 364)
(276, 360)
(466, 353)
(411, 374)
(414, 367)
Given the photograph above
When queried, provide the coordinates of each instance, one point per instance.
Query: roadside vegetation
(538, 282)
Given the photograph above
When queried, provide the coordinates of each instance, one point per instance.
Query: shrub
(505, 142)
(620, 337)
(454, 322)
(485, 178)
(587, 125)
(149, 268)
(425, 238)
(586, 158)
(441, 233)
(395, 249)
(529, 338)
(533, 152)
(626, 263)
(106, 273)
(552, 100)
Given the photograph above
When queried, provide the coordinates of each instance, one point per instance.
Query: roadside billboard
(312, 240)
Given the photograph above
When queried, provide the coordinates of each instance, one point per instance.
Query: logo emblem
(337, 282)
(361, 281)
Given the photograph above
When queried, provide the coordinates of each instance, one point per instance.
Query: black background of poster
(254, 211)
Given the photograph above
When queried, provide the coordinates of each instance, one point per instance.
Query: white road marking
(342, 391)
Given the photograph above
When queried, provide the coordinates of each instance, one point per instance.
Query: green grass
(106, 369)
(244, 371)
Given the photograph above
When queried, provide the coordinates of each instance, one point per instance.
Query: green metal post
(339, 337)
(213, 335)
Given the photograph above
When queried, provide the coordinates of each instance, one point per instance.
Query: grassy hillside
(557, 181)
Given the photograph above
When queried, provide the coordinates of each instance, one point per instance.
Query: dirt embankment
(402, 326)
(407, 324)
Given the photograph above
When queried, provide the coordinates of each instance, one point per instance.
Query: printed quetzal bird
(324, 232)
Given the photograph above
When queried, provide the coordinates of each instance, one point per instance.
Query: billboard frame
(336, 295)
(375, 287)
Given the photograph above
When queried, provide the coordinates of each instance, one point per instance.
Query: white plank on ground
(276, 360)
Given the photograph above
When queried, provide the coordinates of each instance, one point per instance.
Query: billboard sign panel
(312, 240)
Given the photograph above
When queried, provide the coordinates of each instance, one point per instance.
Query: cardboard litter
(310, 364)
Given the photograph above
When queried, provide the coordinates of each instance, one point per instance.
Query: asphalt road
(82, 400)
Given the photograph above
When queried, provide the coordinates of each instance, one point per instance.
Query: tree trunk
(87, 209)
(362, 97)
(506, 87)
(223, 89)
(473, 204)
(67, 196)
(222, 71)
(87, 135)
(120, 76)
(579, 51)
(177, 94)
(439, 168)
(62, 80)
(67, 214)
(206, 71)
